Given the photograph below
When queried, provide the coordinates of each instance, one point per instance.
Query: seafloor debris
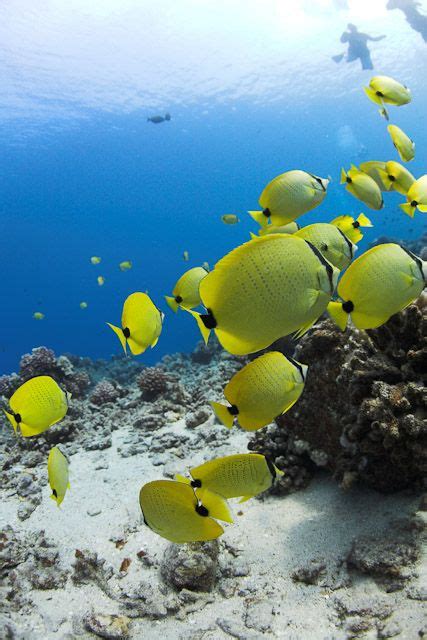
(362, 413)
(107, 625)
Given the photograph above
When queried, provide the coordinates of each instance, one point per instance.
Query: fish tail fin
(12, 421)
(408, 209)
(179, 478)
(259, 217)
(338, 315)
(422, 208)
(364, 221)
(203, 330)
(384, 113)
(119, 333)
(216, 504)
(343, 176)
(373, 96)
(223, 414)
(172, 303)
(385, 179)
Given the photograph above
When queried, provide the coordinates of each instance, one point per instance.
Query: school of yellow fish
(278, 283)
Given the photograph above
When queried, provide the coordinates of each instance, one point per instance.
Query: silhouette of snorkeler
(357, 46)
(415, 19)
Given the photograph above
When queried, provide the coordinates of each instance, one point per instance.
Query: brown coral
(153, 381)
(363, 410)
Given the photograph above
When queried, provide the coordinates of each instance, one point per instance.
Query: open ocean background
(83, 173)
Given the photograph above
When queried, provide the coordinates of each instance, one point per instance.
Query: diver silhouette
(416, 20)
(159, 119)
(357, 46)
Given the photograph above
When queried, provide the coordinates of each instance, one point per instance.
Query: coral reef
(153, 382)
(104, 392)
(362, 413)
(417, 245)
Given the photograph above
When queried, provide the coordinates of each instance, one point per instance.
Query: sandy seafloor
(374, 591)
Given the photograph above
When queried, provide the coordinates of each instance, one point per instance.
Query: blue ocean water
(83, 177)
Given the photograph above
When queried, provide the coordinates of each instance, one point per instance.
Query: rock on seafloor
(191, 566)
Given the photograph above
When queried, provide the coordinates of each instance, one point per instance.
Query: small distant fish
(57, 469)
(125, 265)
(288, 196)
(416, 197)
(362, 187)
(83, 305)
(172, 510)
(38, 315)
(95, 259)
(186, 256)
(397, 177)
(351, 227)
(242, 476)
(101, 281)
(186, 291)
(383, 89)
(404, 146)
(262, 390)
(141, 324)
(230, 218)
(36, 405)
(159, 119)
(380, 283)
(333, 243)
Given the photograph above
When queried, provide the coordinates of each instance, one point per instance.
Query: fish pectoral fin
(408, 209)
(216, 504)
(119, 333)
(303, 330)
(223, 414)
(245, 499)
(172, 303)
(373, 96)
(203, 330)
(259, 217)
(338, 315)
(408, 280)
